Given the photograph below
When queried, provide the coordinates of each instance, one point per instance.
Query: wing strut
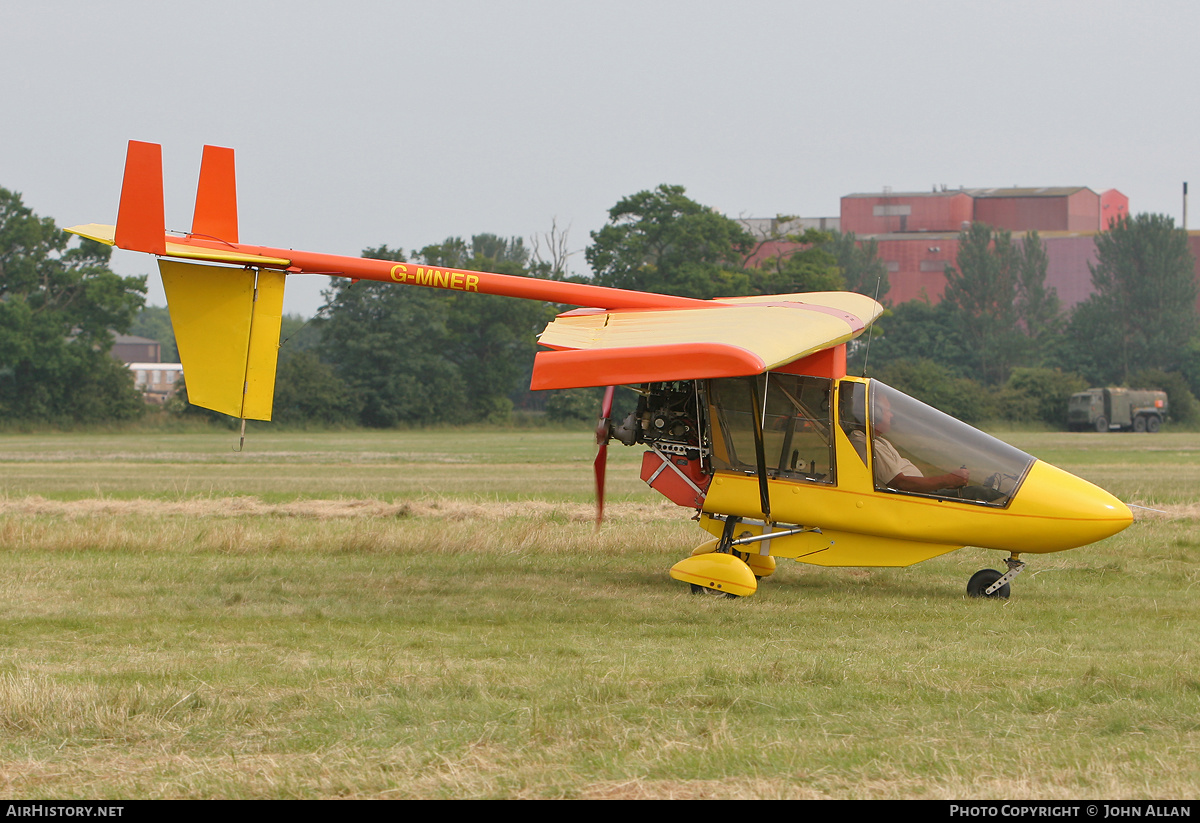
(760, 452)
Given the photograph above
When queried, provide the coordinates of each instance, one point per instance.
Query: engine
(668, 418)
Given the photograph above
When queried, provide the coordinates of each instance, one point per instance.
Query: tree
(389, 344)
(996, 314)
(981, 291)
(912, 331)
(662, 241)
(494, 338)
(1190, 367)
(297, 334)
(938, 386)
(501, 250)
(1038, 394)
(1143, 312)
(154, 322)
(862, 270)
(307, 390)
(422, 355)
(1037, 305)
(551, 252)
(1089, 344)
(568, 405)
(59, 307)
(806, 265)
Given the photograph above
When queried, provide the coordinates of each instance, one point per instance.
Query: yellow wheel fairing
(720, 572)
(763, 565)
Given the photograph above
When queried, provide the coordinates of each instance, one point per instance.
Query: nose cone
(1065, 511)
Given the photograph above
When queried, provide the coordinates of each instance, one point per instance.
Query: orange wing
(725, 338)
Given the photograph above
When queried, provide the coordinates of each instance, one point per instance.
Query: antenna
(871, 329)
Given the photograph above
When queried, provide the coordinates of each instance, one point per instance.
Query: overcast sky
(362, 123)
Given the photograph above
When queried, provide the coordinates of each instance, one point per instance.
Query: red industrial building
(908, 212)
(1068, 208)
(917, 232)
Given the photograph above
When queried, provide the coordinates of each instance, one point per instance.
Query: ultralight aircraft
(745, 409)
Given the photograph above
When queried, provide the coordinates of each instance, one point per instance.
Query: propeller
(603, 435)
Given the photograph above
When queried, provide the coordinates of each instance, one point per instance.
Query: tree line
(998, 345)
(59, 306)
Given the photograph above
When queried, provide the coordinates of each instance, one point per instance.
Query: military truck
(1117, 409)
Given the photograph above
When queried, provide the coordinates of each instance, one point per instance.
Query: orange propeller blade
(603, 433)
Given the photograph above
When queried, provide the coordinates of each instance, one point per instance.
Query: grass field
(429, 614)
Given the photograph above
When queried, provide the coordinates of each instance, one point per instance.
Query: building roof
(952, 235)
(1041, 191)
(1015, 191)
(878, 194)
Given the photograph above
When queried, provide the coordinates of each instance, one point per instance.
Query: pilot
(896, 472)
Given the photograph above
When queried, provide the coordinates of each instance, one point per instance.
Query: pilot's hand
(960, 477)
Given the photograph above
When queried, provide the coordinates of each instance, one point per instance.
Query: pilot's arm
(906, 477)
(916, 483)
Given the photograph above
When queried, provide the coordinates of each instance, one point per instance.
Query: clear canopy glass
(911, 438)
(795, 417)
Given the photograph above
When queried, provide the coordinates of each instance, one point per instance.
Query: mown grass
(177, 620)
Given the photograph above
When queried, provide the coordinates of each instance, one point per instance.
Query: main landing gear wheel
(977, 585)
(711, 592)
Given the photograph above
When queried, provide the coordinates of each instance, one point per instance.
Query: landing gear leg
(991, 583)
(726, 544)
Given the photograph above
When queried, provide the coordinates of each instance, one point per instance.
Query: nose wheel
(991, 583)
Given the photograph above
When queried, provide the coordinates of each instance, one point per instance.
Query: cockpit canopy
(796, 419)
(908, 437)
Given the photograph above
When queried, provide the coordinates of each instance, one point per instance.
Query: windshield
(795, 417)
(917, 449)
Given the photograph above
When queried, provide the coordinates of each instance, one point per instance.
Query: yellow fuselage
(861, 525)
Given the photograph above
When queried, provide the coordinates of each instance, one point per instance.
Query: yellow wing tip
(96, 231)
